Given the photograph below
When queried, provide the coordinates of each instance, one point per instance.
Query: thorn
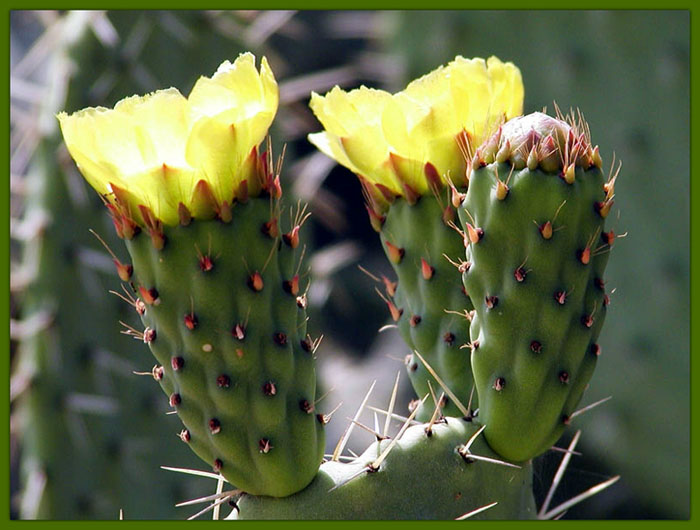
(279, 338)
(136, 303)
(579, 498)
(196, 472)
(264, 445)
(395, 312)
(392, 402)
(324, 419)
(499, 384)
(546, 230)
(177, 363)
(255, 282)
(588, 407)
(291, 238)
(149, 296)
(156, 372)
(569, 173)
(375, 465)
(271, 229)
(491, 301)
(394, 253)
(559, 474)
(603, 208)
(305, 406)
(504, 152)
(291, 286)
(457, 196)
(238, 331)
(475, 512)
(532, 159)
(451, 395)
(214, 426)
(375, 219)
(502, 190)
(124, 270)
(359, 472)
(346, 435)
(436, 412)
(475, 234)
(585, 255)
(191, 321)
(426, 270)
(375, 432)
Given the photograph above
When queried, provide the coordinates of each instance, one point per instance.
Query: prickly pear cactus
(408, 149)
(216, 275)
(534, 217)
(454, 481)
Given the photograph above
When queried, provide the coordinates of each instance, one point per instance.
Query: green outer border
(358, 4)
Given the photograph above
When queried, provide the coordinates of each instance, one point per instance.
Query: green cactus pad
(225, 318)
(429, 304)
(534, 216)
(423, 477)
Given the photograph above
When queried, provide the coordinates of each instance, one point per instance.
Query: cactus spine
(534, 214)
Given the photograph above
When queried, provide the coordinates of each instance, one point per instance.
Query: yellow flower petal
(155, 148)
(389, 139)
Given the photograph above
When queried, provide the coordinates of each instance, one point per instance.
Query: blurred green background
(88, 436)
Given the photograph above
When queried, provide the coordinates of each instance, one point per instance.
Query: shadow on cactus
(217, 278)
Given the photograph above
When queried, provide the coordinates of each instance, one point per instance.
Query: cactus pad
(225, 317)
(428, 302)
(533, 218)
(451, 484)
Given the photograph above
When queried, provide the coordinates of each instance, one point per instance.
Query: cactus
(459, 475)
(218, 280)
(88, 427)
(537, 249)
(407, 150)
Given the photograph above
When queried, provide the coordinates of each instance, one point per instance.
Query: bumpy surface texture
(449, 486)
(225, 317)
(537, 251)
(428, 300)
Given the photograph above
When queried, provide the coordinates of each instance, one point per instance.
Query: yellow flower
(401, 143)
(152, 155)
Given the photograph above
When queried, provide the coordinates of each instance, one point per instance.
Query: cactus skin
(537, 288)
(449, 485)
(230, 336)
(416, 238)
